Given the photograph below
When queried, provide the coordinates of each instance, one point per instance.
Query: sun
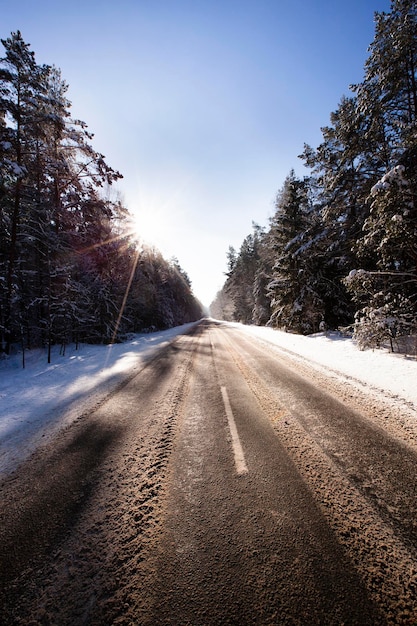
(158, 217)
(152, 228)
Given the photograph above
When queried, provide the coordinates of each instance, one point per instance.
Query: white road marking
(240, 462)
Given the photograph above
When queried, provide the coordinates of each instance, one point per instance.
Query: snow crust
(37, 401)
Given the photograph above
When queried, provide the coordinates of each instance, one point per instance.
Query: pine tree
(243, 267)
(222, 306)
(386, 287)
(391, 73)
(51, 210)
(343, 168)
(296, 303)
(22, 88)
(262, 304)
(388, 293)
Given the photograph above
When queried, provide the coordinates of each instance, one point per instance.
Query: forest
(340, 251)
(71, 267)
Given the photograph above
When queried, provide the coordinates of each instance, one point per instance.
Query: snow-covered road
(144, 511)
(37, 401)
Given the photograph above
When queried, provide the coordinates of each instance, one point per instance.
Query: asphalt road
(221, 484)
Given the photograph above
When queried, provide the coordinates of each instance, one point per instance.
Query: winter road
(222, 484)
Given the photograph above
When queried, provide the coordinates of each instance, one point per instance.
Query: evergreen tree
(22, 88)
(343, 169)
(222, 306)
(50, 175)
(385, 289)
(68, 265)
(262, 304)
(390, 73)
(357, 209)
(243, 268)
(295, 300)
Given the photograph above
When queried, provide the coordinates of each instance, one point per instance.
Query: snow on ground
(393, 375)
(38, 400)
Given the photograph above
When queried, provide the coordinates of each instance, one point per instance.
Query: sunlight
(158, 216)
(150, 227)
(122, 308)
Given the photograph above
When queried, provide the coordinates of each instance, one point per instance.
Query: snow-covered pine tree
(22, 87)
(262, 304)
(222, 306)
(387, 290)
(342, 169)
(390, 74)
(243, 267)
(50, 177)
(386, 286)
(296, 303)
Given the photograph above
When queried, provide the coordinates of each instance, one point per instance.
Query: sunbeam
(122, 308)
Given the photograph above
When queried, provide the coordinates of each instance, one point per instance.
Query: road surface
(225, 483)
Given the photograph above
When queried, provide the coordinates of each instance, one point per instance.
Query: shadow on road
(53, 490)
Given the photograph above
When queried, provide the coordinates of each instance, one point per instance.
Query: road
(224, 483)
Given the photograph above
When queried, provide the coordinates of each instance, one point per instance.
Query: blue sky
(202, 105)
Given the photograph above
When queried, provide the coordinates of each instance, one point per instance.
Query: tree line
(70, 266)
(341, 247)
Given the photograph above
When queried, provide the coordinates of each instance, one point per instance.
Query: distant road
(222, 484)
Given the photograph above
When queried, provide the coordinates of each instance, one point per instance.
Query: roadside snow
(393, 375)
(37, 401)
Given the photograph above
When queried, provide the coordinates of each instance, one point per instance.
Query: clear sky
(202, 105)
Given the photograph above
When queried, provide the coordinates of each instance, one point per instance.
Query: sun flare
(155, 221)
(148, 229)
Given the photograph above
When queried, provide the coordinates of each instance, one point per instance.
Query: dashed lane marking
(241, 467)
